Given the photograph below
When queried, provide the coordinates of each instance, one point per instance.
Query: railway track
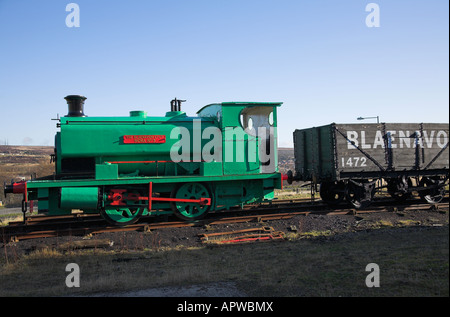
(84, 224)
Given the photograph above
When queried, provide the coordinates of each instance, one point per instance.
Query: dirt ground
(326, 233)
(222, 289)
(300, 226)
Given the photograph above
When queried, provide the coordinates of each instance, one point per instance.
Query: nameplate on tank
(136, 139)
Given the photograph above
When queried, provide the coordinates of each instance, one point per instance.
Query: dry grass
(413, 262)
(6, 219)
(17, 163)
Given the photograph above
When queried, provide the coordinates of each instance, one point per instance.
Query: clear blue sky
(316, 56)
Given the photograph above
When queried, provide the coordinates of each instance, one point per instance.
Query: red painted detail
(201, 201)
(140, 139)
(19, 188)
(284, 177)
(117, 196)
(251, 238)
(150, 194)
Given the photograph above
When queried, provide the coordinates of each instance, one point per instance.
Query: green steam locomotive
(128, 167)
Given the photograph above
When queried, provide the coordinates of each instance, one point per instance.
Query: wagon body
(344, 151)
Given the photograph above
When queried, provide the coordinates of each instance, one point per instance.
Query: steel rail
(93, 224)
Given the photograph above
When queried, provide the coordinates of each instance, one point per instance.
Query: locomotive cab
(249, 135)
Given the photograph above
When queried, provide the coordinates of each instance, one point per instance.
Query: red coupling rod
(119, 195)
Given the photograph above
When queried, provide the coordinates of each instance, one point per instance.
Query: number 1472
(354, 161)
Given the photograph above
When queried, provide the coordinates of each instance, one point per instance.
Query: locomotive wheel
(186, 210)
(432, 195)
(121, 216)
(331, 193)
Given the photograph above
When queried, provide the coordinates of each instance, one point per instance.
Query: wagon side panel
(360, 148)
(435, 138)
(392, 147)
(314, 153)
(301, 165)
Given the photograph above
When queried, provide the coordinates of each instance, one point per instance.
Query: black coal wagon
(348, 160)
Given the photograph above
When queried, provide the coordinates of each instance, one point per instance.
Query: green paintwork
(106, 171)
(92, 159)
(236, 142)
(100, 140)
(145, 180)
(85, 198)
(121, 216)
(191, 211)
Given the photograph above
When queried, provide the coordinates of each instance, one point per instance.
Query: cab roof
(239, 103)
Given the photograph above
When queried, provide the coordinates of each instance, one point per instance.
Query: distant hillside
(24, 154)
(285, 159)
(33, 154)
(20, 162)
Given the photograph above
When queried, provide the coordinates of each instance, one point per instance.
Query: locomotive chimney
(175, 104)
(76, 105)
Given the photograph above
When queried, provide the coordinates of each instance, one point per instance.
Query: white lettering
(418, 140)
(247, 306)
(378, 140)
(404, 139)
(397, 139)
(194, 307)
(73, 279)
(183, 145)
(373, 279)
(234, 136)
(352, 137)
(265, 149)
(428, 140)
(373, 18)
(392, 139)
(212, 151)
(363, 141)
(197, 141)
(442, 139)
(239, 145)
(73, 18)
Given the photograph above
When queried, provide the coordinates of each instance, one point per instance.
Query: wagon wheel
(434, 194)
(398, 188)
(360, 195)
(121, 216)
(332, 193)
(190, 210)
